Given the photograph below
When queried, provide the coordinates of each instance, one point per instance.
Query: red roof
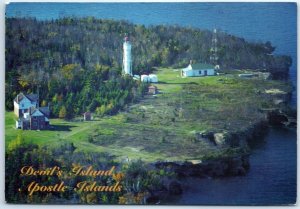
(152, 87)
(87, 113)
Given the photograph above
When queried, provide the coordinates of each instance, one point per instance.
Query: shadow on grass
(61, 127)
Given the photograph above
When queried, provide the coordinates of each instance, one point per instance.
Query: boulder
(278, 101)
(220, 139)
(207, 137)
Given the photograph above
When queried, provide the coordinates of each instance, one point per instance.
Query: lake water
(271, 179)
(272, 176)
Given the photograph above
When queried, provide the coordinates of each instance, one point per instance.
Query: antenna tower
(214, 48)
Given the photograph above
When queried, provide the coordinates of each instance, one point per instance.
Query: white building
(127, 62)
(34, 119)
(22, 103)
(199, 69)
(153, 78)
(30, 116)
(145, 78)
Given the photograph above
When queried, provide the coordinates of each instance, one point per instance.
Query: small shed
(152, 90)
(145, 78)
(87, 116)
(153, 78)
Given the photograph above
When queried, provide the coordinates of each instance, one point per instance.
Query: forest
(138, 181)
(76, 63)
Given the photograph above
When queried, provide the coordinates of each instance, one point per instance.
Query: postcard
(169, 103)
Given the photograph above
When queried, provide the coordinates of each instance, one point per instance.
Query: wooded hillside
(77, 62)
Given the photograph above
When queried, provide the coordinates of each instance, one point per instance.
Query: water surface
(271, 179)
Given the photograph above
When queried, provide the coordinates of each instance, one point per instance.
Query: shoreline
(225, 166)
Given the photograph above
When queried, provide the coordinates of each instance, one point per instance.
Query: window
(22, 105)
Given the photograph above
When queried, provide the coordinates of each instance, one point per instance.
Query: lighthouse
(127, 62)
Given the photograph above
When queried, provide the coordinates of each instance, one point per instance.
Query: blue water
(272, 177)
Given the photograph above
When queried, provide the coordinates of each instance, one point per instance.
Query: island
(155, 134)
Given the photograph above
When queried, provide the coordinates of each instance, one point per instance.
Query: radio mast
(214, 48)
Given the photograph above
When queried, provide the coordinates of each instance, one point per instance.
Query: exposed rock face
(237, 165)
(227, 166)
(170, 186)
(278, 96)
(255, 130)
(278, 101)
(240, 138)
(174, 187)
(282, 118)
(277, 118)
(234, 166)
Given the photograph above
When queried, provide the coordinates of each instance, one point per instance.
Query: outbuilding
(87, 116)
(145, 78)
(153, 78)
(152, 90)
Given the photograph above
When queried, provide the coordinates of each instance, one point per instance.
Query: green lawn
(163, 127)
(63, 131)
(76, 132)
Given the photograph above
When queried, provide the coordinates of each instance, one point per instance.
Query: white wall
(16, 105)
(153, 78)
(145, 78)
(202, 72)
(127, 58)
(211, 72)
(188, 73)
(191, 73)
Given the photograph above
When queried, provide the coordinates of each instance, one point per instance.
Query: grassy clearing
(164, 127)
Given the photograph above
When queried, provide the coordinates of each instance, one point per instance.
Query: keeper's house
(30, 115)
(199, 69)
(22, 103)
(34, 119)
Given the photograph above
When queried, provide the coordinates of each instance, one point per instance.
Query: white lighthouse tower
(127, 62)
